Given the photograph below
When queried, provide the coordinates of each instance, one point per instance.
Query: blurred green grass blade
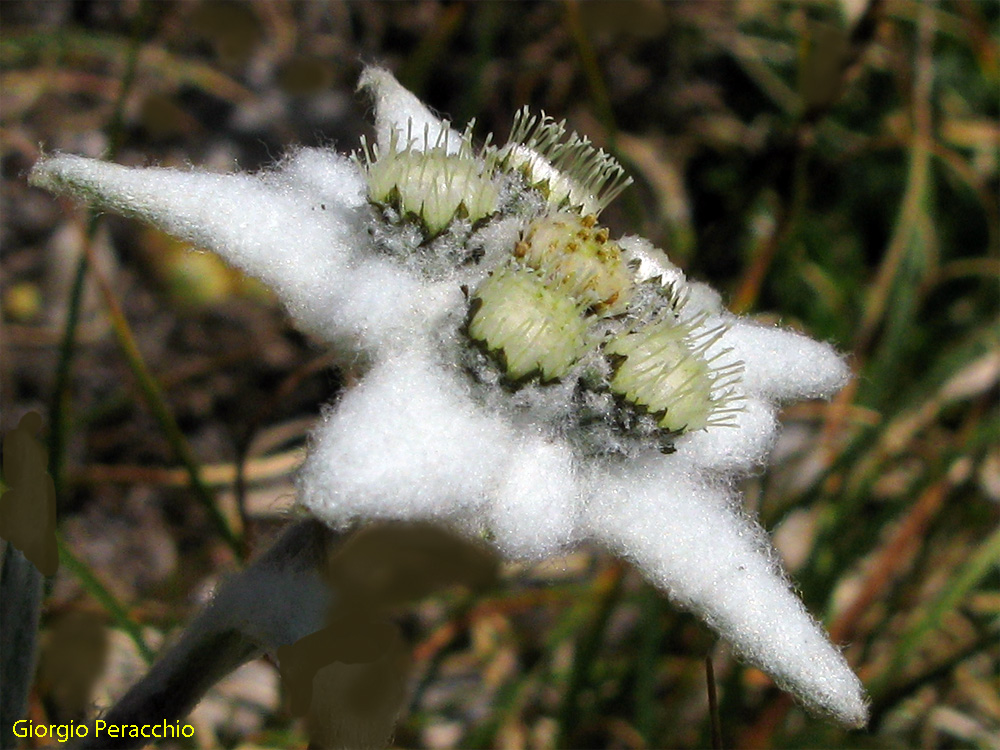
(147, 384)
(415, 74)
(109, 601)
(157, 404)
(647, 665)
(891, 300)
(591, 69)
(608, 590)
(511, 698)
(961, 372)
(170, 68)
(984, 561)
(59, 406)
(21, 585)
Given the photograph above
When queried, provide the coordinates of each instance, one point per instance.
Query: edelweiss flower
(521, 375)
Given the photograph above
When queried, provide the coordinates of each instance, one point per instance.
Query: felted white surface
(383, 306)
(333, 181)
(533, 514)
(732, 449)
(701, 298)
(403, 444)
(396, 109)
(270, 226)
(690, 538)
(783, 365)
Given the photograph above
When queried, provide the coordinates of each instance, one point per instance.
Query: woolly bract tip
(782, 365)
(686, 535)
(400, 112)
(295, 227)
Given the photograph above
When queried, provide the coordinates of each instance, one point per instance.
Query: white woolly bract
(736, 448)
(691, 539)
(403, 444)
(400, 112)
(535, 510)
(294, 228)
(301, 229)
(783, 365)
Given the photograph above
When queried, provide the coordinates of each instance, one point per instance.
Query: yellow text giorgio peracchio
(100, 728)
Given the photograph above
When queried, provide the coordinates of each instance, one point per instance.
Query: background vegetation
(829, 163)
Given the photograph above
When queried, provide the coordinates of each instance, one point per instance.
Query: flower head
(522, 375)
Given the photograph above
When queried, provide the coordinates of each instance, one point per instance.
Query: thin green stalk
(161, 412)
(650, 638)
(107, 600)
(587, 649)
(59, 405)
(59, 408)
(713, 704)
(788, 221)
(983, 562)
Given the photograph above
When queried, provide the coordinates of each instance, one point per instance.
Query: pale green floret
(575, 254)
(566, 167)
(663, 369)
(431, 183)
(535, 328)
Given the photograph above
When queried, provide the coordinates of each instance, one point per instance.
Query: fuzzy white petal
(330, 178)
(403, 444)
(534, 512)
(780, 364)
(734, 448)
(383, 307)
(293, 229)
(688, 537)
(399, 111)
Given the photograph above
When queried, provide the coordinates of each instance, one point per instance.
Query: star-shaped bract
(414, 439)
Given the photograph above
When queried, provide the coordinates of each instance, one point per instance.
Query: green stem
(650, 638)
(587, 649)
(59, 405)
(107, 600)
(983, 562)
(161, 412)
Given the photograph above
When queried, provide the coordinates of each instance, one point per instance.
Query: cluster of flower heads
(564, 303)
(521, 375)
